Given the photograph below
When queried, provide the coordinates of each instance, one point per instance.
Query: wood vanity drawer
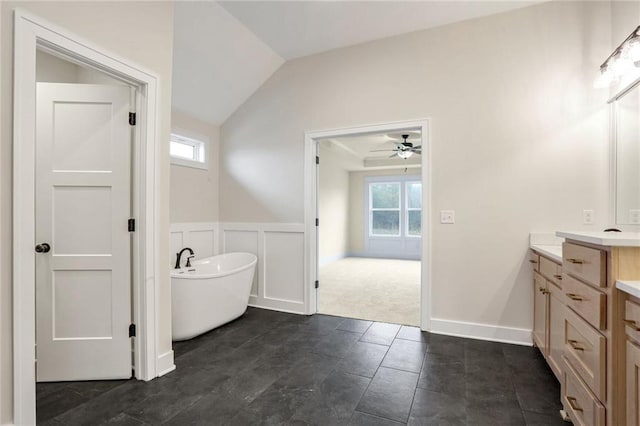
(588, 302)
(551, 271)
(585, 263)
(534, 260)
(583, 408)
(632, 319)
(585, 349)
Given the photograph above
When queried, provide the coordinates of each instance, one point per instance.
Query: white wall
(51, 69)
(333, 207)
(519, 140)
(139, 31)
(194, 192)
(357, 203)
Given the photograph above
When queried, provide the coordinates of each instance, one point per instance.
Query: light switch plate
(447, 216)
(587, 217)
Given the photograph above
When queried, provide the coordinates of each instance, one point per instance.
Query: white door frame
(311, 207)
(32, 33)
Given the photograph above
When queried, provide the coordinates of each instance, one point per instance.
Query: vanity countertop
(631, 287)
(553, 252)
(614, 239)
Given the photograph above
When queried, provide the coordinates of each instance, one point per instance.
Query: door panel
(83, 186)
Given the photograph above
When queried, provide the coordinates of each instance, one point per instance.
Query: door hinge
(132, 118)
(317, 222)
(132, 330)
(317, 159)
(131, 225)
(317, 283)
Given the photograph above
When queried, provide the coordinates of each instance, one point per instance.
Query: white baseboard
(288, 311)
(383, 255)
(165, 363)
(331, 259)
(517, 336)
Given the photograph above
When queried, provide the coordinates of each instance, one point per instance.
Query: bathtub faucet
(188, 259)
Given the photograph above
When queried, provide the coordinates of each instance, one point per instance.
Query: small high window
(188, 152)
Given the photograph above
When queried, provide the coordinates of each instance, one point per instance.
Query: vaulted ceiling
(224, 51)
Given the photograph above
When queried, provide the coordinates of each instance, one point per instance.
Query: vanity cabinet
(599, 364)
(548, 310)
(631, 324)
(589, 332)
(556, 330)
(540, 310)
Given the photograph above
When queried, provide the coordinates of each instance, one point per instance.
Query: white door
(83, 185)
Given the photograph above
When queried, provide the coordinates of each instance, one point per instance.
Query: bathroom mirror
(626, 158)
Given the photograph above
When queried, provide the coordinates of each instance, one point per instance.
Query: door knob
(43, 248)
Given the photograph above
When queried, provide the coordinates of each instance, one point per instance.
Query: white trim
(310, 207)
(471, 330)
(30, 33)
(165, 363)
(330, 259)
(288, 311)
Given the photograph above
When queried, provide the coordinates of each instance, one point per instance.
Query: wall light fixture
(625, 59)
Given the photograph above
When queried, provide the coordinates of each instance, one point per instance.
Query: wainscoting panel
(246, 241)
(280, 277)
(201, 237)
(284, 266)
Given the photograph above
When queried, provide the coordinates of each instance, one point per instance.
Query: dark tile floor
(275, 368)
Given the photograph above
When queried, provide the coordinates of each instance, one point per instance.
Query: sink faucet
(188, 259)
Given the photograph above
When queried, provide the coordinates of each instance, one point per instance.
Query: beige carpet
(384, 290)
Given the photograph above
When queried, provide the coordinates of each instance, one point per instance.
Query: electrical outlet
(447, 216)
(587, 217)
(634, 216)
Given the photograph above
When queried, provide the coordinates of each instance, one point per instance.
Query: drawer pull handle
(533, 261)
(632, 324)
(572, 403)
(542, 290)
(574, 344)
(575, 261)
(575, 297)
(557, 276)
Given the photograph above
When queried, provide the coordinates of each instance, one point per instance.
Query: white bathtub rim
(190, 274)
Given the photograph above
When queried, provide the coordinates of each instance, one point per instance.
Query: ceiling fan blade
(418, 151)
(383, 150)
(395, 154)
(417, 147)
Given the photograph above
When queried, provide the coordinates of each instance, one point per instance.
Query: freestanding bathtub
(210, 293)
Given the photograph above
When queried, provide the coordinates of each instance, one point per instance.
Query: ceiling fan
(403, 149)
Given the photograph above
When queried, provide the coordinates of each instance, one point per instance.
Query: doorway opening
(32, 36)
(370, 247)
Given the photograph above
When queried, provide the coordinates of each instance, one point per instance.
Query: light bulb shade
(605, 78)
(633, 49)
(405, 154)
(622, 66)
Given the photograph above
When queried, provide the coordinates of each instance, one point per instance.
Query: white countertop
(631, 287)
(551, 251)
(614, 239)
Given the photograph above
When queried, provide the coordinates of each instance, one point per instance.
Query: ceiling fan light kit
(403, 149)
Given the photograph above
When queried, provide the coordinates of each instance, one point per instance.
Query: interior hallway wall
(357, 204)
(112, 25)
(194, 192)
(519, 140)
(333, 206)
(51, 69)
